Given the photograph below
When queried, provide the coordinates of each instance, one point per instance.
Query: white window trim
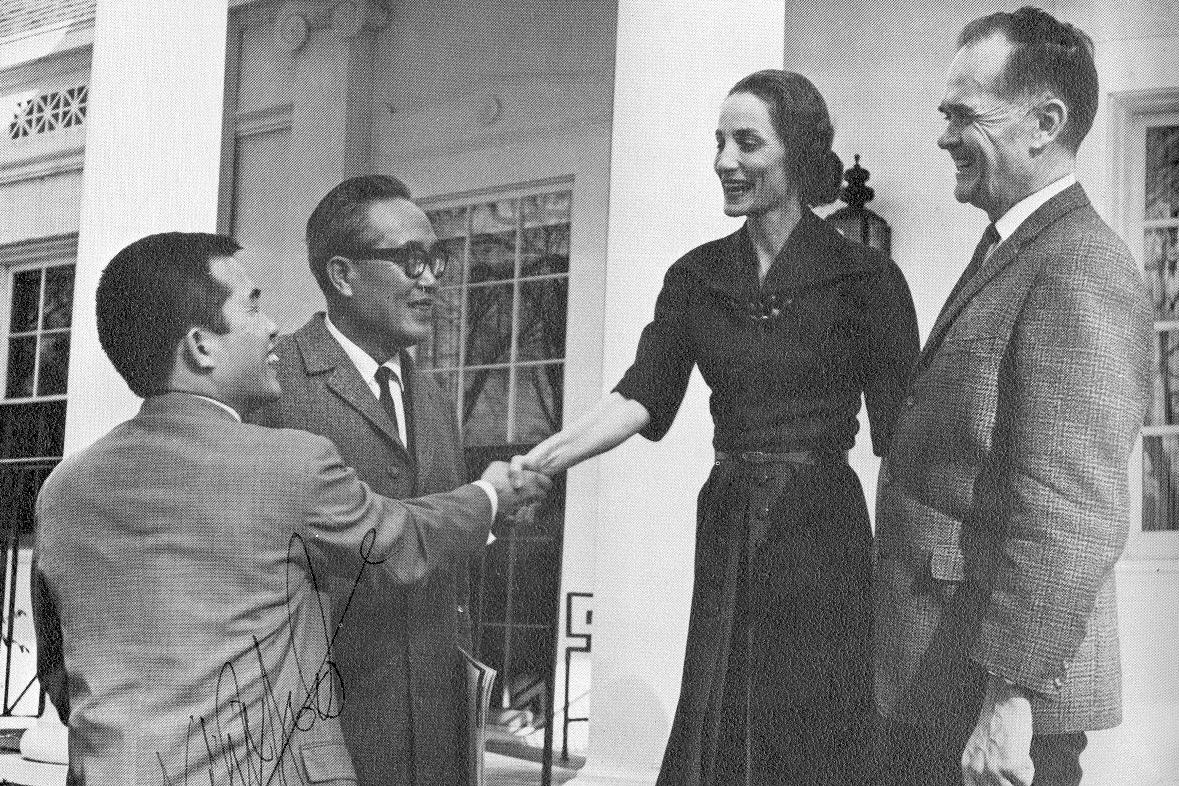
(29, 255)
(1138, 112)
(469, 199)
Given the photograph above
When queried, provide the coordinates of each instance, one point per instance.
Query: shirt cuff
(491, 495)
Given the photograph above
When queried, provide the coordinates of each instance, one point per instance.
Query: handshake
(519, 489)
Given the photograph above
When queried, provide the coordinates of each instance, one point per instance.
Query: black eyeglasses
(413, 258)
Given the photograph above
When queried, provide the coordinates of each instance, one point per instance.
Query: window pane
(485, 406)
(1162, 173)
(545, 250)
(59, 297)
(454, 248)
(1162, 258)
(441, 350)
(55, 364)
(32, 430)
(26, 293)
(546, 209)
(492, 218)
(493, 257)
(489, 325)
(539, 391)
(21, 356)
(1166, 380)
(1160, 502)
(543, 309)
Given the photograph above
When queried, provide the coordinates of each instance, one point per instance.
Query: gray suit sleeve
(1071, 401)
(347, 521)
(50, 658)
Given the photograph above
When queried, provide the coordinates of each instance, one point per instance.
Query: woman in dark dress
(789, 324)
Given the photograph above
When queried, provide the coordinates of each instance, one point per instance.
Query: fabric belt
(805, 457)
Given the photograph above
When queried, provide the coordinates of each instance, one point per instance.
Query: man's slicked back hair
(1047, 55)
(339, 223)
(151, 294)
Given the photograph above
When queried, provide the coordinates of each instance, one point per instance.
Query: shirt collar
(236, 415)
(1021, 210)
(362, 360)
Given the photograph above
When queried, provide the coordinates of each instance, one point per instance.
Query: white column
(153, 152)
(332, 43)
(675, 63)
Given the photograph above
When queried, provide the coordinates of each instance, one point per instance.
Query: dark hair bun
(821, 185)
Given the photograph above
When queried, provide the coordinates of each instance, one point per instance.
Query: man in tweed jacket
(181, 627)
(1004, 502)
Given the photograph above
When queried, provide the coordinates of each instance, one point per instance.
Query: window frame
(513, 364)
(42, 254)
(1161, 111)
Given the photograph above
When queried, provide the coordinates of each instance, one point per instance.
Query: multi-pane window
(1160, 442)
(499, 341)
(38, 342)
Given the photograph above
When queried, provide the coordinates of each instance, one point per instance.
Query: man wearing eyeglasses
(346, 375)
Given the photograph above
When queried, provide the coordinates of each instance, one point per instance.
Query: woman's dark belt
(804, 457)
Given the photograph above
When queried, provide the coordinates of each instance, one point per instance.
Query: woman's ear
(340, 273)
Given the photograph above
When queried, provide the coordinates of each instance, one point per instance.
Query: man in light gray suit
(182, 629)
(1004, 503)
(347, 375)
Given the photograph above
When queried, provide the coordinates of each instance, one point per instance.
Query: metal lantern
(855, 221)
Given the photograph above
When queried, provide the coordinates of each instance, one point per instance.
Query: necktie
(384, 374)
(988, 241)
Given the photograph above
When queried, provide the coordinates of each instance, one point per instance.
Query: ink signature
(249, 739)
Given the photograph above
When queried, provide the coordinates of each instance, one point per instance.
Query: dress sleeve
(892, 350)
(663, 362)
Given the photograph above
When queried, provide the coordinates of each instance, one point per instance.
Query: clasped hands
(520, 490)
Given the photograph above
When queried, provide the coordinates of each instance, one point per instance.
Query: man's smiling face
(986, 134)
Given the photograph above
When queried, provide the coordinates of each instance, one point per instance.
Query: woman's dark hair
(800, 117)
(151, 294)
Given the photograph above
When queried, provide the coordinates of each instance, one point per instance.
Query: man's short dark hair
(1047, 55)
(151, 294)
(339, 223)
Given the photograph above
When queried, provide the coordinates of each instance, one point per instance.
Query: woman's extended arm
(614, 419)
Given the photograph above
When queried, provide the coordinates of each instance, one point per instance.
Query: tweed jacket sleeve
(1071, 399)
(404, 538)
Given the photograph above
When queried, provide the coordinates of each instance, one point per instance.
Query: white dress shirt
(368, 372)
(236, 415)
(1021, 210)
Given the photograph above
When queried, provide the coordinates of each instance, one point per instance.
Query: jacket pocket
(328, 763)
(947, 564)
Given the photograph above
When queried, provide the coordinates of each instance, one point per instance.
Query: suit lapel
(1006, 252)
(322, 354)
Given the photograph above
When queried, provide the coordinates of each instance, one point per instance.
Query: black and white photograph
(589, 392)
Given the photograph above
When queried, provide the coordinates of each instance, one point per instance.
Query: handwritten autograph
(249, 740)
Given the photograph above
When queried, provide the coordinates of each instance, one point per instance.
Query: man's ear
(340, 273)
(197, 349)
(1051, 118)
